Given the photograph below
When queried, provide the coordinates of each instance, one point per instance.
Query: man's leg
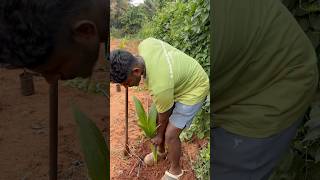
(161, 147)
(180, 118)
(174, 148)
(244, 158)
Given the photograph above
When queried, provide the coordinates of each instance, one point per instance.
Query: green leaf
(315, 21)
(201, 135)
(313, 134)
(146, 123)
(142, 118)
(314, 37)
(152, 118)
(304, 23)
(313, 123)
(93, 146)
(300, 12)
(312, 8)
(154, 152)
(317, 156)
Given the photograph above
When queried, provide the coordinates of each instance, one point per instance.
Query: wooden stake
(126, 150)
(53, 138)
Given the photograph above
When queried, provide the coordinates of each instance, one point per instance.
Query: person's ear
(137, 71)
(84, 31)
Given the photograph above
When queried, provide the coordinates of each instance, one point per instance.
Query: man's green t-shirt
(265, 68)
(171, 75)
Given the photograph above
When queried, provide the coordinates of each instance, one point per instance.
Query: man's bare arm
(163, 119)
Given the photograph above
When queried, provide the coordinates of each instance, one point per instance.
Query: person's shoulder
(148, 44)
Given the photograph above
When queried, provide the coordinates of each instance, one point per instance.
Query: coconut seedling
(148, 123)
(93, 145)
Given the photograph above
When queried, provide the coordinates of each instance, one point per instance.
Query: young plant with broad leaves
(93, 145)
(148, 123)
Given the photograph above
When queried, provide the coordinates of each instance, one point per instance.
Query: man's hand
(157, 140)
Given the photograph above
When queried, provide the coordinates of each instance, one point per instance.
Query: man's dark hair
(28, 29)
(121, 63)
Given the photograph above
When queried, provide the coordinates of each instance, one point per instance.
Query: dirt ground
(24, 127)
(130, 167)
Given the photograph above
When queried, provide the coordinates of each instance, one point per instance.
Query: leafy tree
(118, 8)
(131, 22)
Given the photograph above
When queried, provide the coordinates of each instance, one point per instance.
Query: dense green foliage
(127, 19)
(202, 165)
(185, 25)
(118, 8)
(131, 21)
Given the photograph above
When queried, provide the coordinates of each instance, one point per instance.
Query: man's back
(265, 71)
(172, 75)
